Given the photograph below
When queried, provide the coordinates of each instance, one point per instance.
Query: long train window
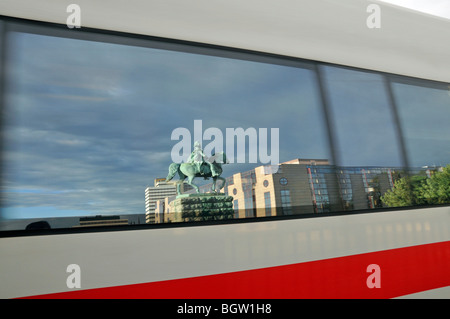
(91, 127)
(92, 123)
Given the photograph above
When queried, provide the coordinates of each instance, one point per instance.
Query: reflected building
(295, 187)
(99, 220)
(301, 186)
(264, 191)
(159, 191)
(351, 188)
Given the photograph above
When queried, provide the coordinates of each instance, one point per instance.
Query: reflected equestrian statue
(199, 165)
(198, 157)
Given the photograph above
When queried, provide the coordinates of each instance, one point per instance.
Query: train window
(424, 116)
(362, 118)
(424, 112)
(92, 122)
(90, 127)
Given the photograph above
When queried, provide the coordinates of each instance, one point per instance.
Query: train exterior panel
(336, 247)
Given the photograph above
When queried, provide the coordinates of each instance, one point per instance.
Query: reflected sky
(425, 118)
(363, 123)
(88, 125)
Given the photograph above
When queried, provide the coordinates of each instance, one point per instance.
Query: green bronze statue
(199, 165)
(198, 157)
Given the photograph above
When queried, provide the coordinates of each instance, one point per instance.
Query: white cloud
(439, 8)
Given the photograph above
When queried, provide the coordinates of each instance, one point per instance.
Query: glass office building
(308, 186)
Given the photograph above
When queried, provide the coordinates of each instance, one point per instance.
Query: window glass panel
(88, 124)
(267, 204)
(236, 208)
(424, 113)
(286, 202)
(370, 170)
(360, 113)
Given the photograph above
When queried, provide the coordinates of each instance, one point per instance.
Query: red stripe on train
(401, 271)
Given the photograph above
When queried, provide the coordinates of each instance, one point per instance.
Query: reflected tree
(436, 189)
(420, 190)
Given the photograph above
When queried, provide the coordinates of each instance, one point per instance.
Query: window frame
(10, 24)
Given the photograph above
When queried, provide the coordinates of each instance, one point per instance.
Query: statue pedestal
(200, 207)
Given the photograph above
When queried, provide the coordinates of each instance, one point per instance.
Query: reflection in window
(88, 124)
(267, 203)
(362, 118)
(87, 128)
(236, 208)
(286, 202)
(424, 114)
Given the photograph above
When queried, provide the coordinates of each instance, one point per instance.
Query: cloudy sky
(87, 125)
